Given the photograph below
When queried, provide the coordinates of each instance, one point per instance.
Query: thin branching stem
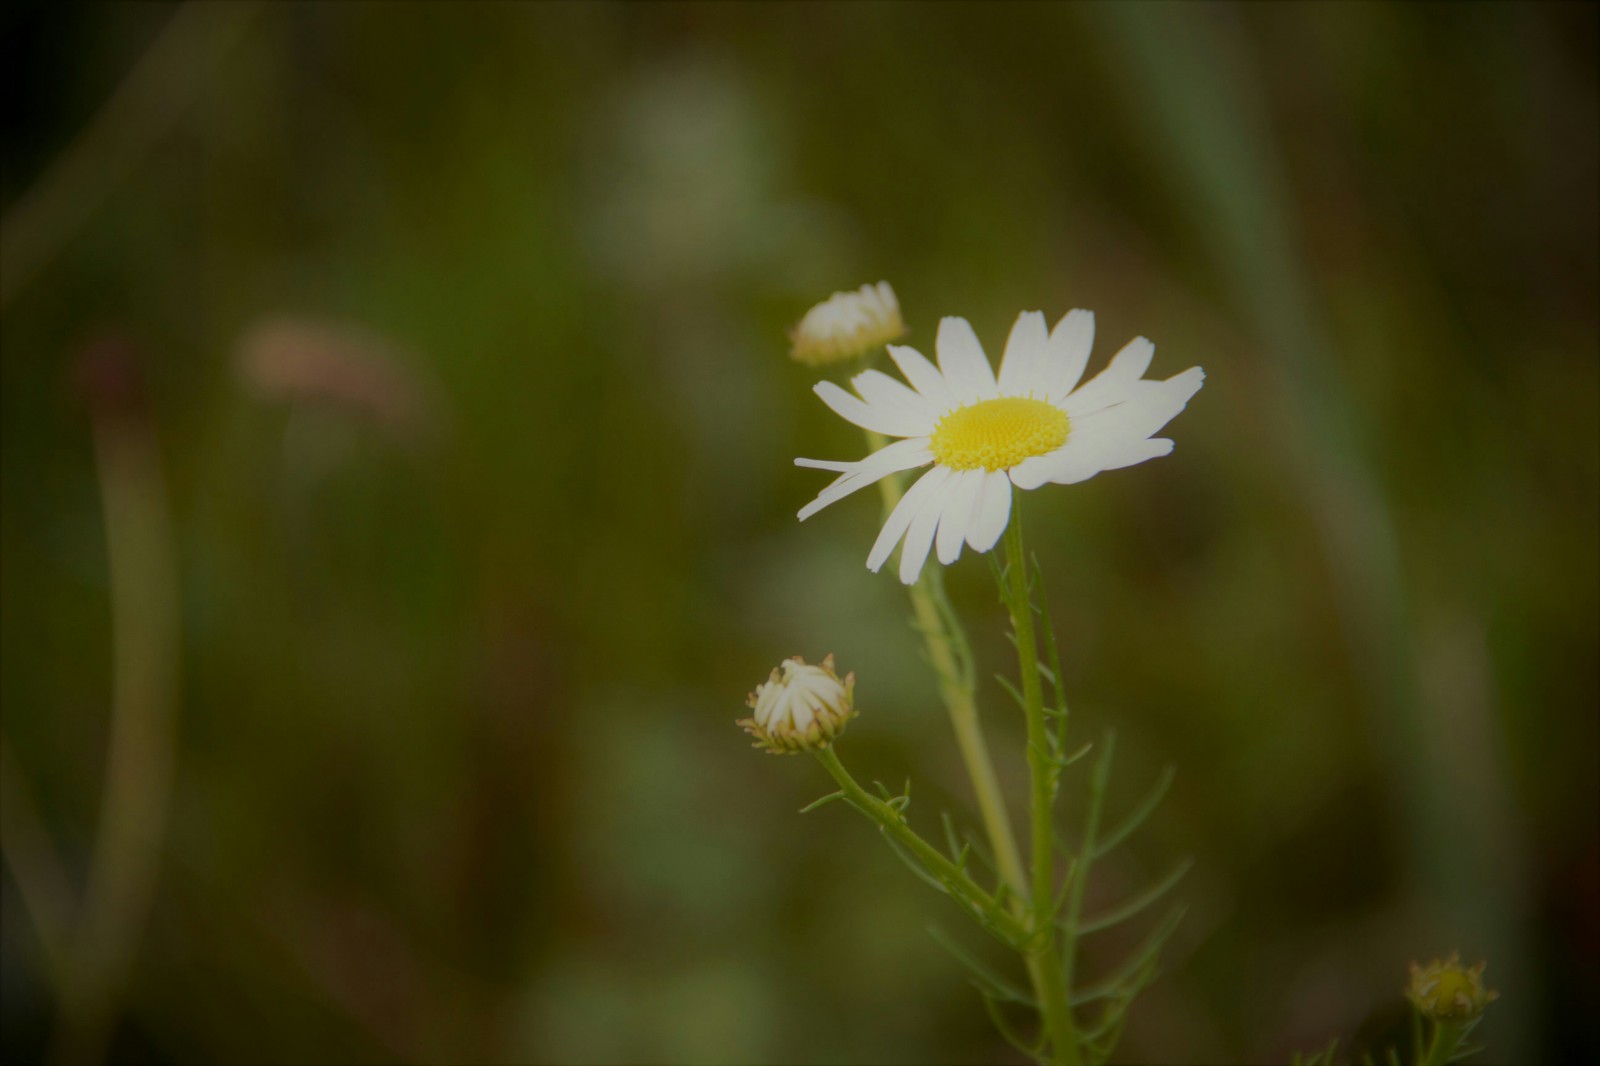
(946, 875)
(950, 654)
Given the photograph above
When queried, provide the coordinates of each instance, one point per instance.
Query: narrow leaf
(829, 798)
(913, 865)
(1068, 760)
(1006, 684)
(979, 849)
(951, 840)
(1139, 814)
(1066, 887)
(1145, 954)
(991, 983)
(1138, 903)
(1014, 1038)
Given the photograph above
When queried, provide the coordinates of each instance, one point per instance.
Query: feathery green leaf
(1124, 911)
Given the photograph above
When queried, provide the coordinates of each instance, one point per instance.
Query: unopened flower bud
(1447, 991)
(801, 707)
(847, 325)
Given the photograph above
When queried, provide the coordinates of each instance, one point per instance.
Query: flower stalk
(1448, 1036)
(1044, 964)
(951, 656)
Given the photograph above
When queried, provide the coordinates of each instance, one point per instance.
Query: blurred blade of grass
(143, 108)
(42, 880)
(141, 745)
(1191, 79)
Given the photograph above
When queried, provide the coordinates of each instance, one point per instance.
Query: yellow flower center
(998, 434)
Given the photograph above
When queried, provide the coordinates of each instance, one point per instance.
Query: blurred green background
(411, 382)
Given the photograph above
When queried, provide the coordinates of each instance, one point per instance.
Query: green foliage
(1062, 1035)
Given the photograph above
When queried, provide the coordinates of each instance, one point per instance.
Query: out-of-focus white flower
(847, 325)
(801, 707)
(985, 434)
(338, 364)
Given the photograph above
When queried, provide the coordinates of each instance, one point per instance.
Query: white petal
(966, 368)
(837, 465)
(958, 512)
(881, 390)
(800, 712)
(919, 537)
(1113, 436)
(1132, 454)
(1082, 459)
(1148, 405)
(1035, 470)
(1113, 456)
(1067, 353)
(901, 455)
(992, 511)
(923, 375)
(893, 422)
(900, 518)
(781, 706)
(1108, 386)
(1024, 352)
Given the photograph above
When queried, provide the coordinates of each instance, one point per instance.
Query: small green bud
(1444, 990)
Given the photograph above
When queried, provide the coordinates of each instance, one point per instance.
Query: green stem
(948, 650)
(1043, 963)
(1447, 1037)
(893, 823)
(962, 706)
(126, 859)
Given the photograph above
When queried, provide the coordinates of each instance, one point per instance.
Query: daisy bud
(800, 708)
(1447, 991)
(847, 325)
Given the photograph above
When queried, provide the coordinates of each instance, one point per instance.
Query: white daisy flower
(847, 325)
(984, 434)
